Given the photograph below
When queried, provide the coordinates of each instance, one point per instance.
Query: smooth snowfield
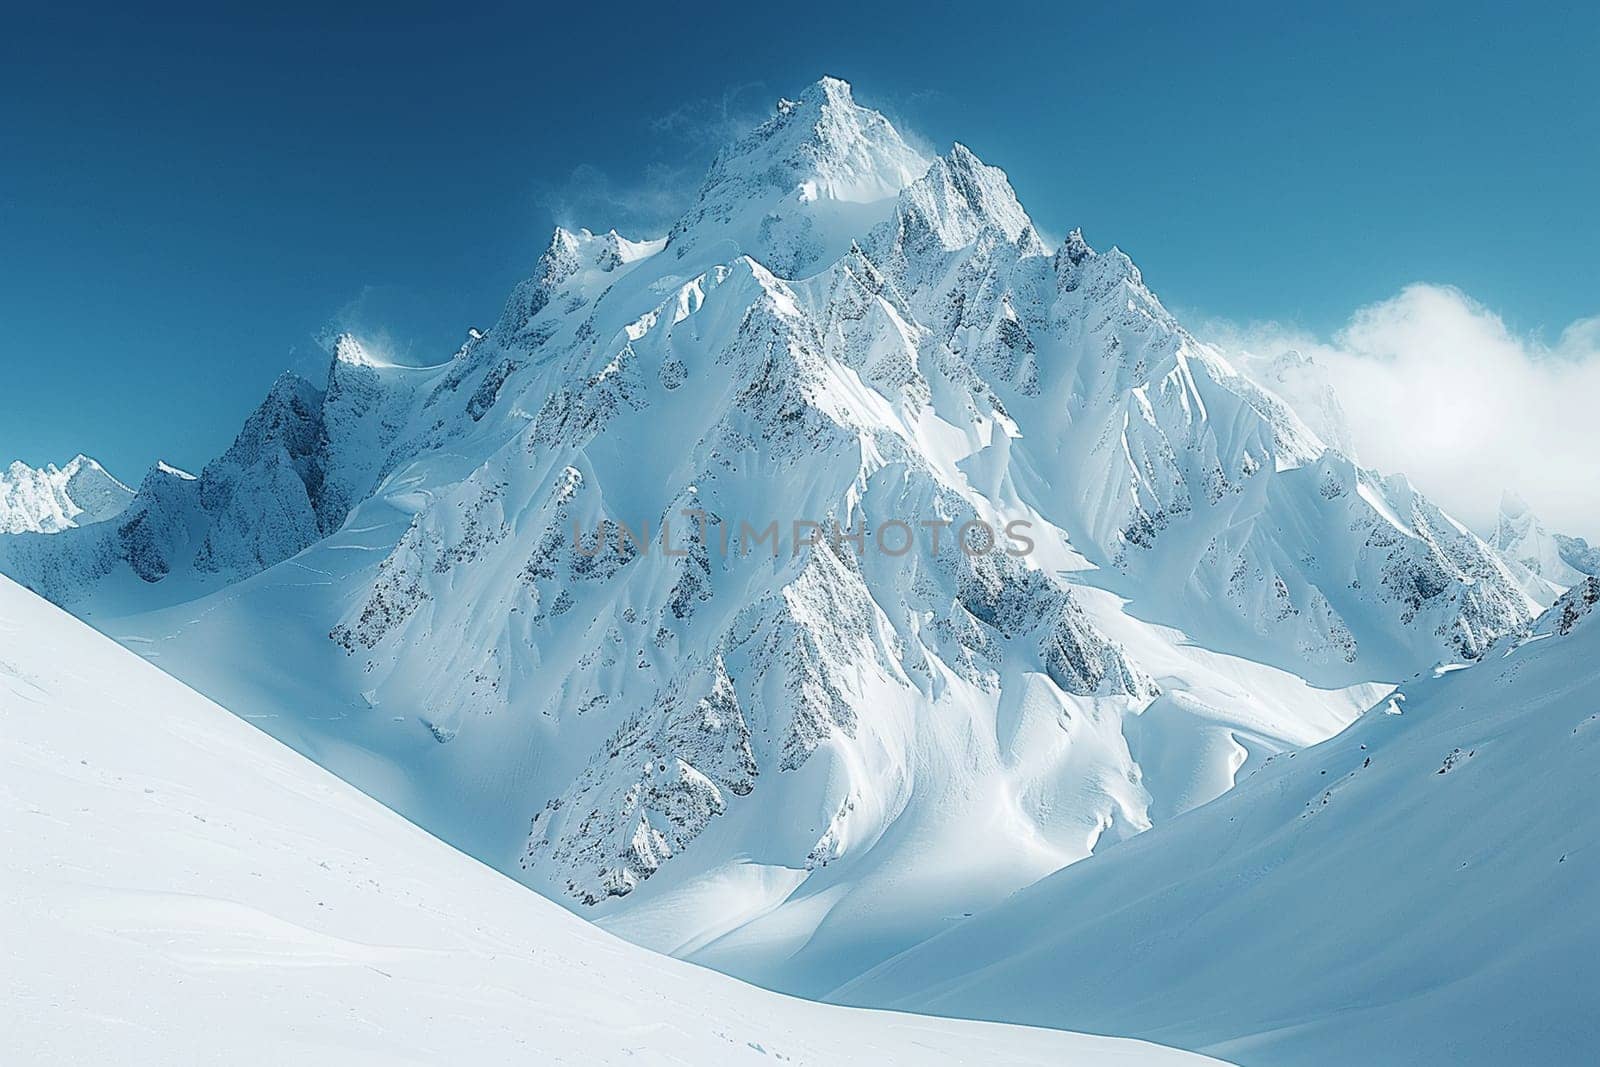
(1419, 889)
(178, 887)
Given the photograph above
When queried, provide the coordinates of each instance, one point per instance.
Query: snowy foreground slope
(176, 887)
(793, 761)
(1420, 889)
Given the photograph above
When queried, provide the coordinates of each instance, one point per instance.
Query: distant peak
(86, 465)
(1512, 506)
(50, 499)
(19, 469)
(162, 467)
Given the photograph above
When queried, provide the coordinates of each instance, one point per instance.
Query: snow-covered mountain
(180, 888)
(50, 499)
(670, 594)
(290, 477)
(1557, 559)
(1306, 386)
(1418, 889)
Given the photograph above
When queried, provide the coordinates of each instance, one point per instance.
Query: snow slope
(179, 888)
(1418, 889)
(51, 499)
(792, 765)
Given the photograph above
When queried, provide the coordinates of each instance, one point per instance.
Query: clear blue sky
(187, 198)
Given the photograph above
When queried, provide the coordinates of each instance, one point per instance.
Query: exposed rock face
(658, 781)
(260, 490)
(155, 532)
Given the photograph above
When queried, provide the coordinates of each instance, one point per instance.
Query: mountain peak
(1512, 506)
(1522, 537)
(825, 90)
(1074, 250)
(347, 349)
(50, 499)
(825, 145)
(961, 195)
(793, 191)
(962, 156)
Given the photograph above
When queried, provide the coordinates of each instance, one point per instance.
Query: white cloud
(1435, 386)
